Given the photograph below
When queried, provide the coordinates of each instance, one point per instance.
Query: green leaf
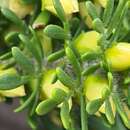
(56, 55)
(9, 64)
(94, 105)
(6, 56)
(99, 124)
(22, 60)
(56, 32)
(12, 38)
(65, 78)
(32, 47)
(32, 122)
(105, 93)
(30, 99)
(10, 81)
(110, 79)
(91, 10)
(98, 25)
(129, 96)
(59, 9)
(58, 95)
(103, 42)
(74, 62)
(118, 27)
(13, 18)
(45, 106)
(65, 115)
(90, 56)
(116, 16)
(90, 69)
(108, 112)
(120, 109)
(127, 80)
(37, 41)
(108, 12)
(35, 103)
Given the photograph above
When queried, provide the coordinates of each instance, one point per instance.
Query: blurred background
(10, 120)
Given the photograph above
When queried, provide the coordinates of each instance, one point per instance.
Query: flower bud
(87, 42)
(118, 56)
(19, 8)
(103, 3)
(69, 7)
(94, 87)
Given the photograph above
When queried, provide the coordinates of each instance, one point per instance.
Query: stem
(84, 124)
(30, 99)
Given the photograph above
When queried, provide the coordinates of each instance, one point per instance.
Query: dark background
(10, 120)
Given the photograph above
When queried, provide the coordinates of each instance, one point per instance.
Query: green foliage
(55, 32)
(59, 9)
(109, 112)
(46, 106)
(13, 18)
(22, 60)
(65, 78)
(65, 115)
(93, 106)
(56, 84)
(10, 81)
